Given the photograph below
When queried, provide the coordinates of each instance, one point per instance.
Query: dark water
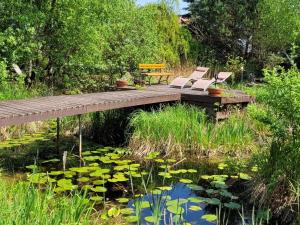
(179, 191)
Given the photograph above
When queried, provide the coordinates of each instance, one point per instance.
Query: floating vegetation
(177, 192)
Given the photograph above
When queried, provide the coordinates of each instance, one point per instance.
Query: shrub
(280, 168)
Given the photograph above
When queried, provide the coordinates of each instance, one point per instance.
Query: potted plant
(124, 80)
(215, 91)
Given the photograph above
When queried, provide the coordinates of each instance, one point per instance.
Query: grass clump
(185, 129)
(22, 204)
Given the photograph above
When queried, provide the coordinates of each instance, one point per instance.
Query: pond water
(179, 191)
(185, 193)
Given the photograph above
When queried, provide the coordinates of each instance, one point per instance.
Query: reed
(22, 204)
(185, 129)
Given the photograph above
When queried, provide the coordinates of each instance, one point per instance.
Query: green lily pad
(209, 217)
(127, 211)
(91, 158)
(97, 198)
(185, 181)
(175, 209)
(87, 187)
(232, 205)
(99, 172)
(195, 199)
(244, 176)
(152, 155)
(83, 179)
(99, 182)
(66, 184)
(38, 178)
(56, 173)
(69, 174)
(174, 171)
(80, 169)
(142, 204)
(165, 188)
(151, 219)
(195, 187)
(195, 208)
(99, 189)
(179, 202)
(131, 219)
(171, 160)
(165, 175)
(213, 201)
(122, 200)
(159, 160)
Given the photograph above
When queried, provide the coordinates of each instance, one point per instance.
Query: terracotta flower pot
(215, 91)
(122, 83)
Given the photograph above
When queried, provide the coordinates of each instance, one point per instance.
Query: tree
(226, 27)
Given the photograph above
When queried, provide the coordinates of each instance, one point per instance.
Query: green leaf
(209, 217)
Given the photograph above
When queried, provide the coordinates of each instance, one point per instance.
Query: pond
(152, 190)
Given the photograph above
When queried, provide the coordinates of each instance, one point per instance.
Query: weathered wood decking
(22, 111)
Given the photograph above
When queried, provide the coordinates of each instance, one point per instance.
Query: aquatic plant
(184, 130)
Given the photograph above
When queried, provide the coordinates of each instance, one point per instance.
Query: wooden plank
(91, 103)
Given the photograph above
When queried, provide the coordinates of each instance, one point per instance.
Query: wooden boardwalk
(23, 111)
(29, 110)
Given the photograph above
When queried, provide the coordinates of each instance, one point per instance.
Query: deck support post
(80, 136)
(57, 134)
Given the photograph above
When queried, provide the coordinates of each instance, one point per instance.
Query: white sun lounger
(181, 82)
(203, 84)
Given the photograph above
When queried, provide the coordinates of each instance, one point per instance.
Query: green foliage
(282, 99)
(61, 42)
(225, 27)
(237, 66)
(279, 23)
(280, 165)
(22, 204)
(184, 128)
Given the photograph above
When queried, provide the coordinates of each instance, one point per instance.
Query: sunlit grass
(181, 129)
(22, 204)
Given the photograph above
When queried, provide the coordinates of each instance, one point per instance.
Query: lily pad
(99, 182)
(99, 189)
(131, 219)
(195, 208)
(185, 181)
(195, 187)
(83, 179)
(97, 198)
(195, 199)
(209, 217)
(232, 205)
(127, 211)
(175, 209)
(151, 219)
(122, 200)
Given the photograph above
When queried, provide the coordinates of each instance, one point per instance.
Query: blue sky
(181, 5)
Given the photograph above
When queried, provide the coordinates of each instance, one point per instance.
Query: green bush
(280, 166)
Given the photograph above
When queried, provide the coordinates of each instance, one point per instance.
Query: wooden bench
(154, 70)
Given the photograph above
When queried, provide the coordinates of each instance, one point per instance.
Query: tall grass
(185, 128)
(22, 204)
